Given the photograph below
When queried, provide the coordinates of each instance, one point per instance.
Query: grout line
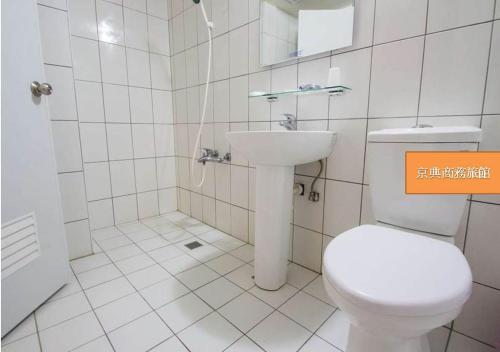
(118, 44)
(448, 338)
(319, 327)
(306, 59)
(105, 118)
(120, 123)
(53, 7)
(488, 65)
(136, 10)
(126, 49)
(113, 84)
(93, 311)
(360, 219)
(469, 207)
(485, 285)
(419, 97)
(472, 338)
(37, 332)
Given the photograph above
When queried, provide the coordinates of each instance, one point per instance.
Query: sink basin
(275, 153)
(282, 148)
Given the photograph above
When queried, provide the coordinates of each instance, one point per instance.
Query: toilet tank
(437, 214)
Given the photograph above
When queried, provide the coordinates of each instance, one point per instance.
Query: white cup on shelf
(334, 77)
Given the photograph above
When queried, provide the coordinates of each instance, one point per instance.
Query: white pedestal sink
(275, 153)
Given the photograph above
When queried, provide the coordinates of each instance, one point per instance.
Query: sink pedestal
(276, 153)
(274, 187)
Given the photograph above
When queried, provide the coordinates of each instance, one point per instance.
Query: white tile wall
(58, 4)
(97, 181)
(110, 22)
(90, 101)
(399, 20)
(348, 160)
(454, 60)
(136, 29)
(429, 61)
(157, 8)
(77, 233)
(451, 13)
(395, 78)
(86, 65)
(143, 139)
(238, 13)
(111, 111)
(67, 146)
(355, 67)
(342, 204)
(116, 103)
(307, 248)
(482, 240)
(119, 141)
(94, 146)
(54, 36)
(73, 196)
(160, 72)
(62, 104)
(122, 177)
(238, 51)
(113, 63)
(101, 213)
(145, 174)
(82, 16)
(125, 208)
(491, 104)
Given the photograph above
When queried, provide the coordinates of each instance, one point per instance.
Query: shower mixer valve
(212, 156)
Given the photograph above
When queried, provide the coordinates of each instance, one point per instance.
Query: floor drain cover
(193, 245)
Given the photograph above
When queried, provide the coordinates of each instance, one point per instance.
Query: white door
(34, 254)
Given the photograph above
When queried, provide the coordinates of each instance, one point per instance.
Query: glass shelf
(273, 96)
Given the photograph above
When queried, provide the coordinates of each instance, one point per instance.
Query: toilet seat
(393, 272)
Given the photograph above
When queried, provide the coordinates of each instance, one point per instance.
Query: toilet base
(362, 341)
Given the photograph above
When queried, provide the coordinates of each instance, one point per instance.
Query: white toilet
(403, 277)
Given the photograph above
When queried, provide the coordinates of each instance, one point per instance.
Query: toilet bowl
(394, 286)
(398, 280)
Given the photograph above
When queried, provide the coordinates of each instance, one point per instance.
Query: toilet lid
(397, 273)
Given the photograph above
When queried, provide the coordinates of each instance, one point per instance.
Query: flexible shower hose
(203, 113)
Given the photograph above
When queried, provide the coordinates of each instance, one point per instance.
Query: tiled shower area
(111, 111)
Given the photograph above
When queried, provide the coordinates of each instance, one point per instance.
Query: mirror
(291, 29)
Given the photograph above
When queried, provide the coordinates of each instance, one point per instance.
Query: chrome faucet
(290, 123)
(209, 155)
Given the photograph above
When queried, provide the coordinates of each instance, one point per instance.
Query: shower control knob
(37, 89)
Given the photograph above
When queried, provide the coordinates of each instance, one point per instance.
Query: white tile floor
(144, 290)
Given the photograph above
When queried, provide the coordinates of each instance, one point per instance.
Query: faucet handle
(207, 152)
(289, 117)
(290, 123)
